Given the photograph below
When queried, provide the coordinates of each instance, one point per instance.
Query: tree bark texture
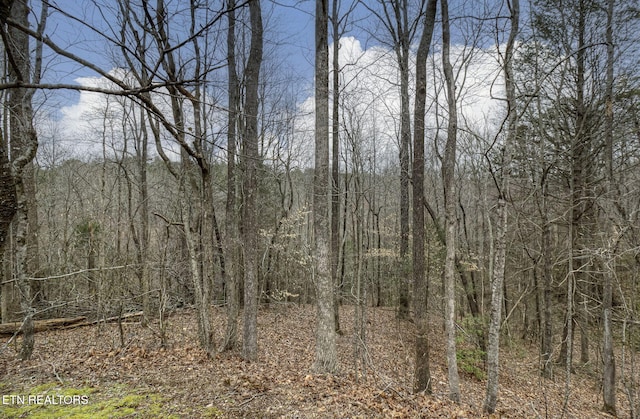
(8, 200)
(23, 146)
(448, 181)
(547, 337)
(144, 230)
(608, 358)
(335, 164)
(326, 358)
(7, 329)
(250, 186)
(231, 219)
(191, 240)
(402, 53)
(422, 375)
(497, 283)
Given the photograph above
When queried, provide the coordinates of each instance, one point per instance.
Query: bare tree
(394, 16)
(231, 220)
(326, 358)
(23, 145)
(422, 373)
(495, 321)
(354, 143)
(8, 209)
(450, 201)
(335, 163)
(608, 358)
(251, 157)
(337, 27)
(144, 28)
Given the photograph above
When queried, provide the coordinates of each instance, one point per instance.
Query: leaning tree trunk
(23, 146)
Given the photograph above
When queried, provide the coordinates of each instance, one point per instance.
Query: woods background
(477, 163)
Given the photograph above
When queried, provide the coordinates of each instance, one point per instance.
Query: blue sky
(289, 34)
(288, 23)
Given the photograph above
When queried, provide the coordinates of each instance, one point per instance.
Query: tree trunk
(192, 191)
(250, 186)
(24, 285)
(546, 247)
(448, 181)
(33, 247)
(8, 202)
(547, 337)
(580, 199)
(231, 220)
(405, 140)
(201, 302)
(326, 358)
(335, 165)
(402, 55)
(358, 227)
(23, 145)
(395, 18)
(497, 283)
(608, 358)
(422, 376)
(143, 197)
(8, 209)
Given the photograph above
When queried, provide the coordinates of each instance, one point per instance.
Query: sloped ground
(184, 382)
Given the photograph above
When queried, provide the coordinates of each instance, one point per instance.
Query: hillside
(143, 380)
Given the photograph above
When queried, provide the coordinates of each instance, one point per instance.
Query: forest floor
(86, 372)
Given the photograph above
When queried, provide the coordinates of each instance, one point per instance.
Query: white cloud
(97, 124)
(370, 96)
(93, 120)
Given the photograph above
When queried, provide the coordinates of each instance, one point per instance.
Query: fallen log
(127, 316)
(40, 325)
(120, 318)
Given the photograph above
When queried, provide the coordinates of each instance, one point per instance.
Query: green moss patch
(52, 400)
